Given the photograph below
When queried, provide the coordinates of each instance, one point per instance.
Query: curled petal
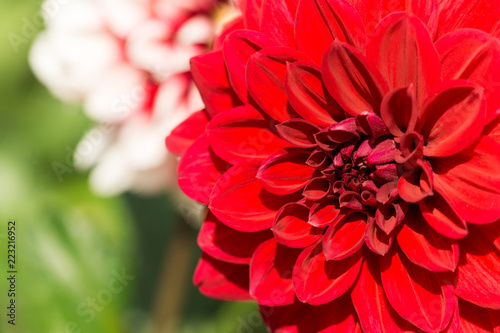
(440, 216)
(291, 228)
(384, 152)
(389, 216)
(371, 124)
(317, 189)
(318, 281)
(416, 184)
(285, 171)
(344, 239)
(377, 240)
(298, 132)
(324, 213)
(399, 110)
(453, 118)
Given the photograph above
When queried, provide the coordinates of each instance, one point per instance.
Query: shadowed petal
(291, 227)
(479, 271)
(425, 247)
(242, 135)
(199, 170)
(308, 95)
(238, 47)
(265, 75)
(285, 171)
(229, 245)
(452, 118)
(470, 181)
(473, 55)
(210, 75)
(352, 79)
(416, 294)
(239, 200)
(222, 280)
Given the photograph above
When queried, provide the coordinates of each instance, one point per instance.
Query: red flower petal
(492, 233)
(185, 134)
(416, 184)
(271, 274)
(344, 239)
(469, 14)
(425, 247)
(242, 135)
(286, 171)
(298, 132)
(239, 201)
(308, 95)
(416, 294)
(209, 74)
(318, 281)
(323, 213)
(373, 11)
(377, 240)
(277, 20)
(372, 306)
(404, 52)
(251, 10)
(221, 280)
(474, 319)
(335, 317)
(352, 79)
(327, 20)
(291, 227)
(473, 55)
(479, 271)
(452, 118)
(238, 47)
(229, 245)
(265, 76)
(235, 24)
(441, 217)
(470, 183)
(317, 188)
(199, 170)
(399, 110)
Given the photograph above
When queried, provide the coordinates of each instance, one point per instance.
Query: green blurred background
(86, 264)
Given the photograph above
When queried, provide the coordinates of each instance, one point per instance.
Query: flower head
(348, 155)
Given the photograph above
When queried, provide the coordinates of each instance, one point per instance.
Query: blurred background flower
(86, 264)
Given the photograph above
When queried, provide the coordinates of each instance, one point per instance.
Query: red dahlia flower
(349, 156)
